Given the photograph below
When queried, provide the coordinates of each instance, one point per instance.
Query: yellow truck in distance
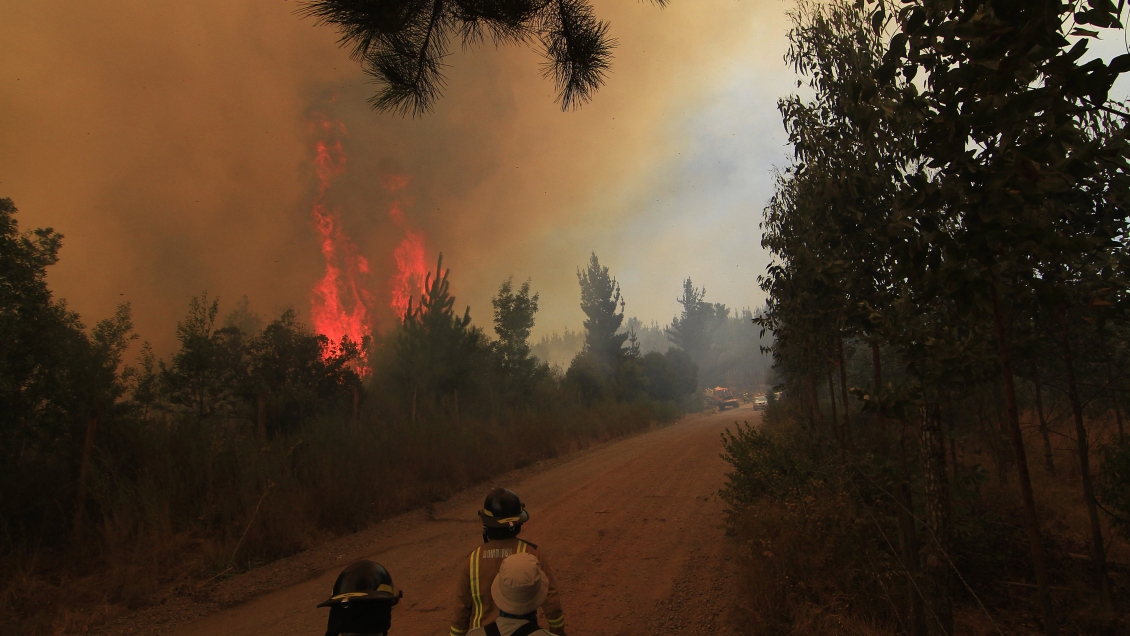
(720, 397)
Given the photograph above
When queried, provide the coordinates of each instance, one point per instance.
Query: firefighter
(362, 601)
(518, 590)
(502, 515)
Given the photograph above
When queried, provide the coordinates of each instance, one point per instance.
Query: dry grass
(198, 502)
(801, 580)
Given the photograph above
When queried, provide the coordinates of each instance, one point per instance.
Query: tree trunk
(877, 366)
(1003, 434)
(1049, 461)
(84, 467)
(844, 393)
(937, 579)
(1031, 519)
(1098, 552)
(414, 406)
(261, 420)
(835, 423)
(1117, 404)
(952, 443)
(908, 538)
(816, 418)
(991, 436)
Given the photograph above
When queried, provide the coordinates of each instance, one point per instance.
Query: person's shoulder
(478, 631)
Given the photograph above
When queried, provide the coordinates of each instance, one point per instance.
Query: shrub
(815, 561)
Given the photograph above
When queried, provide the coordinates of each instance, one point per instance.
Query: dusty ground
(633, 528)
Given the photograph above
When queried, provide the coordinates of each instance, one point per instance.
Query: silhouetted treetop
(402, 43)
(600, 300)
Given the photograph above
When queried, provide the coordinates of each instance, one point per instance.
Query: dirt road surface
(634, 530)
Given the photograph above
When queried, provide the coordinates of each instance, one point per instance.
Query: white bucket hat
(521, 586)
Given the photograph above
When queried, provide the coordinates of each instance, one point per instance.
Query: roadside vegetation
(123, 481)
(949, 308)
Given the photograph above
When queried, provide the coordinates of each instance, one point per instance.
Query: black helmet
(362, 600)
(503, 509)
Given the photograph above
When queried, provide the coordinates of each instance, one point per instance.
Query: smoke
(171, 144)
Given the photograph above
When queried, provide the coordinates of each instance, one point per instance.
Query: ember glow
(342, 300)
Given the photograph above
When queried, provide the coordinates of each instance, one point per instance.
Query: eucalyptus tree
(402, 44)
(852, 155)
(798, 287)
(1003, 143)
(858, 148)
(1081, 265)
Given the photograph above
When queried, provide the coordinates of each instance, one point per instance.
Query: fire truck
(720, 397)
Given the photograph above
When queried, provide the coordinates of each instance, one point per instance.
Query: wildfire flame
(341, 300)
(411, 272)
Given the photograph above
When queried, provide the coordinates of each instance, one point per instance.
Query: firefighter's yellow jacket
(475, 607)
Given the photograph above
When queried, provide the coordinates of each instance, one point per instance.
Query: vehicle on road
(760, 402)
(721, 397)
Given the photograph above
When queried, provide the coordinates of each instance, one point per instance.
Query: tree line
(950, 258)
(245, 404)
(718, 340)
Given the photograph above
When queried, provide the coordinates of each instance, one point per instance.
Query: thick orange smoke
(341, 301)
(181, 133)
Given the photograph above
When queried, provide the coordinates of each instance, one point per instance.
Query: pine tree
(402, 45)
(436, 349)
(600, 300)
(513, 320)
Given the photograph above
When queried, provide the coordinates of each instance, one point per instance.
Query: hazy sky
(172, 144)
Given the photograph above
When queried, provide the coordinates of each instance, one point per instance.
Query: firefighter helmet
(503, 509)
(362, 600)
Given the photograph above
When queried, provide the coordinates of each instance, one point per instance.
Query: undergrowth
(820, 551)
(190, 503)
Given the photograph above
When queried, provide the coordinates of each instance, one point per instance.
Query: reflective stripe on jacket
(506, 627)
(475, 607)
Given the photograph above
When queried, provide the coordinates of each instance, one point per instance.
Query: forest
(947, 316)
(948, 300)
(128, 481)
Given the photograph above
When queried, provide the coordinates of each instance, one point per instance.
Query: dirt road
(633, 528)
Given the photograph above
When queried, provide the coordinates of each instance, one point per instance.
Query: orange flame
(411, 271)
(342, 303)
(341, 300)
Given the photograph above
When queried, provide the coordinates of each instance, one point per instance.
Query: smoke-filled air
(523, 317)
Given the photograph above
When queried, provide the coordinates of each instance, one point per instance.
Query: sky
(173, 145)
